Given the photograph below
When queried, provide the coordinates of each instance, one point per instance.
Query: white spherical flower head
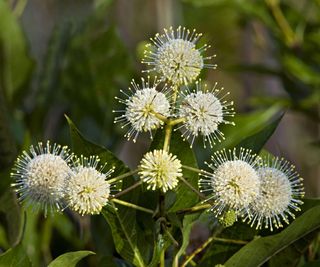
(143, 109)
(175, 57)
(234, 183)
(40, 176)
(160, 170)
(281, 188)
(88, 191)
(204, 111)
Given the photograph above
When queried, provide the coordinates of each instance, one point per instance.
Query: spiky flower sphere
(204, 111)
(175, 57)
(280, 193)
(143, 108)
(160, 170)
(87, 190)
(234, 183)
(40, 176)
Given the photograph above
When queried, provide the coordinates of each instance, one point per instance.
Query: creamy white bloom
(87, 190)
(40, 175)
(204, 111)
(160, 170)
(175, 57)
(234, 183)
(143, 109)
(280, 193)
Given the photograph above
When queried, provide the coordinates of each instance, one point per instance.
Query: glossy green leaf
(15, 63)
(246, 125)
(125, 233)
(122, 220)
(291, 255)
(262, 249)
(256, 141)
(218, 252)
(15, 257)
(81, 146)
(70, 259)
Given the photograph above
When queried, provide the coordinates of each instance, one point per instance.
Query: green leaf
(15, 63)
(246, 125)
(262, 249)
(81, 146)
(256, 141)
(182, 197)
(10, 210)
(70, 259)
(187, 224)
(291, 255)
(300, 70)
(125, 233)
(104, 245)
(312, 264)
(219, 252)
(15, 257)
(122, 221)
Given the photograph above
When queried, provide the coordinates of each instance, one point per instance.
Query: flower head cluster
(204, 111)
(142, 108)
(240, 184)
(280, 193)
(160, 170)
(262, 192)
(40, 176)
(88, 191)
(234, 183)
(48, 177)
(175, 57)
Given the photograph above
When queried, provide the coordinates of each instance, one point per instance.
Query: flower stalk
(130, 205)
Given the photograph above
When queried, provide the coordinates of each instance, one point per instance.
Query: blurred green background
(72, 57)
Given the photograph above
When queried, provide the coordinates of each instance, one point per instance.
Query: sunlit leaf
(15, 257)
(70, 259)
(262, 249)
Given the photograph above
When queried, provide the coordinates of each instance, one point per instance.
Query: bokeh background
(73, 56)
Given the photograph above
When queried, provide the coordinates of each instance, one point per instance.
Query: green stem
(175, 242)
(130, 205)
(193, 169)
(127, 174)
(194, 209)
(281, 21)
(230, 241)
(167, 137)
(128, 189)
(176, 121)
(162, 259)
(159, 116)
(200, 195)
(206, 243)
(197, 251)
